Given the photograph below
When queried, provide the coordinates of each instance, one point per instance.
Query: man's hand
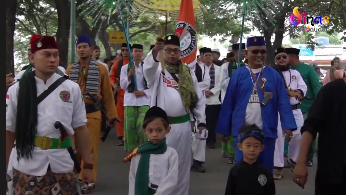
(294, 93)
(225, 138)
(158, 45)
(200, 129)
(300, 174)
(87, 176)
(115, 87)
(9, 80)
(131, 72)
(208, 94)
(139, 93)
(288, 134)
(112, 122)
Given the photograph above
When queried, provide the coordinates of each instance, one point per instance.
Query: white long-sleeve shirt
(164, 93)
(224, 80)
(129, 98)
(294, 81)
(163, 172)
(214, 99)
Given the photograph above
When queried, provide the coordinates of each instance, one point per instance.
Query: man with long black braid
(42, 163)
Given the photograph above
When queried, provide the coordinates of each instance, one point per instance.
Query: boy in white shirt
(154, 165)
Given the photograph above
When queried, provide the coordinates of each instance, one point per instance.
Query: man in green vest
(311, 79)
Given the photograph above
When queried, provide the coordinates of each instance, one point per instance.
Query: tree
(334, 39)
(63, 30)
(28, 23)
(337, 9)
(220, 20)
(11, 7)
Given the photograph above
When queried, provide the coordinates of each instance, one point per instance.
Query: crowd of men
(55, 118)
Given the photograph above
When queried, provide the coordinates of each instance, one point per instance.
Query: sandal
(278, 176)
(87, 188)
(120, 143)
(231, 160)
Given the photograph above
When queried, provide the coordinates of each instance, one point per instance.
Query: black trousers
(323, 187)
(212, 115)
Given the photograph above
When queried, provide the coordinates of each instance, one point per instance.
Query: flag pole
(241, 34)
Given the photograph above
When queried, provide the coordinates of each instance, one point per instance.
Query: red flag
(186, 30)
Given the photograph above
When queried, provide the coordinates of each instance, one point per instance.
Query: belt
(153, 186)
(179, 119)
(295, 106)
(90, 108)
(46, 143)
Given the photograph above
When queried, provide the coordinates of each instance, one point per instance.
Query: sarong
(49, 184)
(228, 148)
(134, 134)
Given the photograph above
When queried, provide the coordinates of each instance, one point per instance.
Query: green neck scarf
(185, 87)
(28, 69)
(142, 175)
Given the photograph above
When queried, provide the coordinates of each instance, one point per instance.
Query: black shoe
(310, 163)
(211, 146)
(121, 143)
(120, 138)
(198, 168)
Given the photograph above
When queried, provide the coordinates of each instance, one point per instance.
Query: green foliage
(29, 22)
(220, 20)
(308, 38)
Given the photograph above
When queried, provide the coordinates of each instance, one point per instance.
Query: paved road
(113, 174)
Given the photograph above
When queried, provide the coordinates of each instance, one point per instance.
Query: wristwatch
(88, 166)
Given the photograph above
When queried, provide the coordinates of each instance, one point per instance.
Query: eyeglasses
(175, 51)
(279, 57)
(257, 51)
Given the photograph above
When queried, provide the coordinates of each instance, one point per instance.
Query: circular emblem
(39, 44)
(188, 38)
(65, 96)
(294, 77)
(262, 179)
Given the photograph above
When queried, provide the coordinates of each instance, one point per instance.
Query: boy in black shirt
(249, 177)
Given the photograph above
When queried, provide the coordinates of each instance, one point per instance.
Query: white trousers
(294, 144)
(179, 138)
(199, 144)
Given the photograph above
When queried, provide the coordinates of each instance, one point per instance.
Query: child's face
(156, 131)
(251, 148)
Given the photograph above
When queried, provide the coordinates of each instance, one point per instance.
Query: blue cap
(83, 39)
(255, 41)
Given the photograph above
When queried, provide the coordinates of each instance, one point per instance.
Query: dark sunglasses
(257, 51)
(279, 57)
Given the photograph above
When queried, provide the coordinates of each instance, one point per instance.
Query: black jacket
(327, 116)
